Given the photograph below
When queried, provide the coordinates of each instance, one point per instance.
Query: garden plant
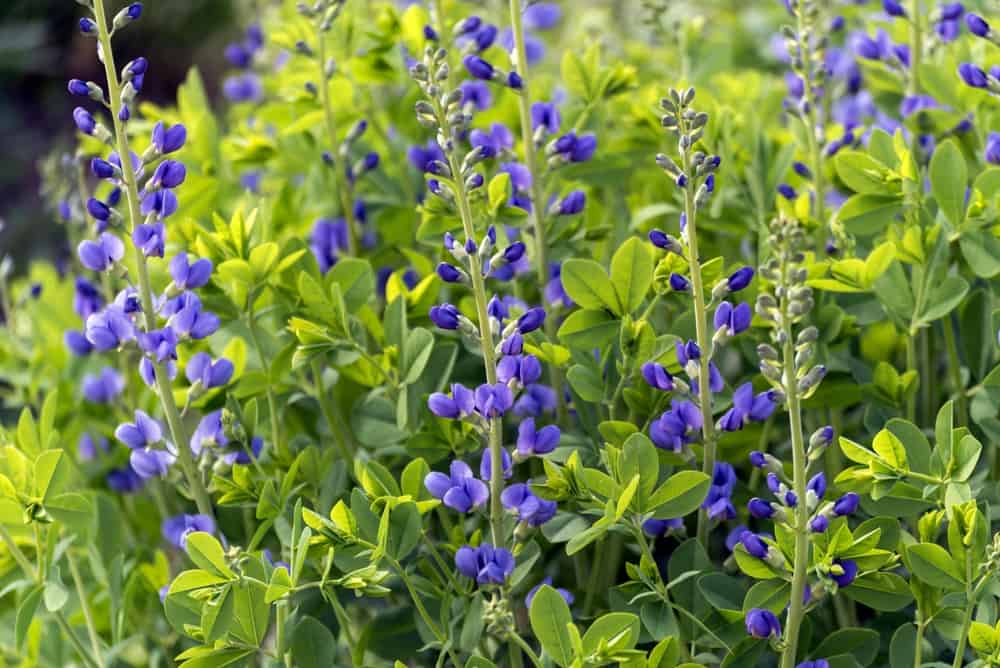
(511, 333)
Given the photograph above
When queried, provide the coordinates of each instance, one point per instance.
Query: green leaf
(886, 592)
(587, 284)
(943, 298)
(587, 329)
(356, 280)
(863, 644)
(981, 249)
(25, 614)
(586, 382)
(680, 494)
(55, 595)
(621, 625)
(550, 617)
(902, 648)
(206, 552)
(869, 214)
(632, 274)
(217, 615)
(932, 564)
(861, 172)
(949, 177)
(983, 638)
(416, 353)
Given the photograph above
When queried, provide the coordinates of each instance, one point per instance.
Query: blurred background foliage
(40, 49)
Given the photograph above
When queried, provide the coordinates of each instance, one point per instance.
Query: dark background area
(41, 48)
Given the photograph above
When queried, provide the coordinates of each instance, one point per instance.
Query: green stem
(422, 611)
(537, 197)
(918, 645)
(272, 404)
(911, 365)
(704, 341)
(811, 120)
(280, 641)
(88, 616)
(800, 570)
(340, 433)
(916, 49)
(526, 648)
(164, 389)
(489, 355)
(972, 598)
(347, 210)
(955, 369)
(28, 569)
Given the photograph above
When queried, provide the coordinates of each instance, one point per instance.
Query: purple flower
(460, 490)
(327, 239)
(478, 68)
(201, 369)
(86, 298)
(747, 408)
(545, 115)
(167, 140)
(676, 427)
(134, 11)
(450, 273)
(161, 202)
(77, 343)
(101, 254)
(176, 529)
(973, 75)
(460, 404)
(520, 177)
(87, 26)
(819, 524)
(124, 480)
(486, 465)
(893, 8)
(529, 508)
(567, 596)
(679, 283)
(818, 663)
(534, 48)
(109, 329)
(847, 504)
(977, 25)
(168, 174)
(732, 320)
(149, 238)
(754, 544)
(476, 93)
(493, 400)
(912, 104)
(992, 154)
(740, 279)
(760, 508)
(245, 87)
(951, 11)
(531, 320)
(817, 485)
(656, 528)
(145, 431)
(657, 376)
(422, 156)
(104, 387)
(574, 148)
(238, 55)
(762, 623)
(572, 204)
(191, 320)
(496, 141)
(850, 571)
(85, 122)
(542, 16)
(485, 564)
(787, 191)
(87, 447)
(445, 316)
(188, 276)
(208, 433)
(535, 400)
(555, 293)
(718, 502)
(531, 441)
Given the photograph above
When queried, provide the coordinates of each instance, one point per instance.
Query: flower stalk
(165, 391)
(537, 194)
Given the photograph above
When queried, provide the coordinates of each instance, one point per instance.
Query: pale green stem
(489, 355)
(703, 339)
(422, 611)
(165, 391)
(347, 209)
(800, 567)
(272, 404)
(537, 197)
(340, 432)
(88, 616)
